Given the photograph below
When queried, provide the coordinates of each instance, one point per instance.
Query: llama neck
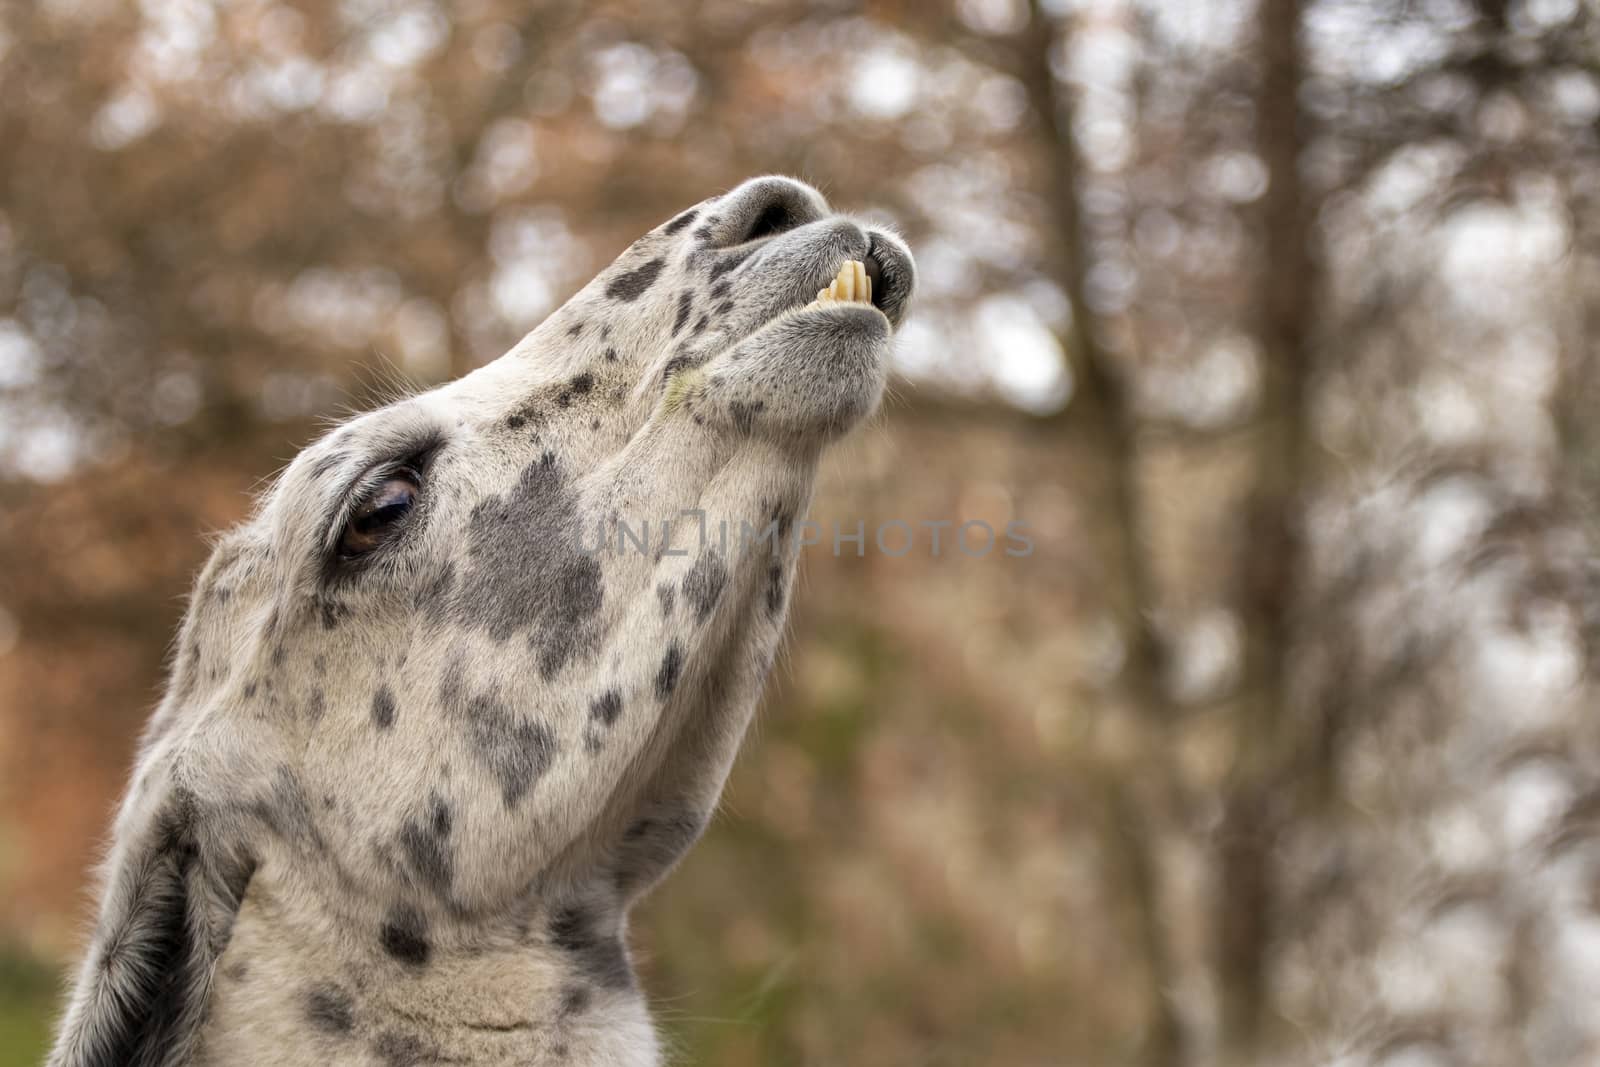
(297, 984)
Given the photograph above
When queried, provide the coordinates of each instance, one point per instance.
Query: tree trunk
(1270, 545)
(1100, 422)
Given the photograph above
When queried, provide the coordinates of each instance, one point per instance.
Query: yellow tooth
(850, 285)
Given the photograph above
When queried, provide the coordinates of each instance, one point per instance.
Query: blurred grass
(27, 999)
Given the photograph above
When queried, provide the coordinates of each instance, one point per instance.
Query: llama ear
(168, 906)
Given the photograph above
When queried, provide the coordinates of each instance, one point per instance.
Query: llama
(425, 741)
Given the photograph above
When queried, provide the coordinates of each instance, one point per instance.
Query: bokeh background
(1277, 324)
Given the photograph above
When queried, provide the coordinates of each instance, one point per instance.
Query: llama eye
(377, 519)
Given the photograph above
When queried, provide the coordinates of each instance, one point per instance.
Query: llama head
(414, 694)
(441, 554)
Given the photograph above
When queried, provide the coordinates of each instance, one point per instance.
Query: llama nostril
(774, 220)
(767, 207)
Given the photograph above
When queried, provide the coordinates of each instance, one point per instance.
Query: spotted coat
(424, 744)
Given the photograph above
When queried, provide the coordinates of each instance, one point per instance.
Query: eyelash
(404, 471)
(359, 492)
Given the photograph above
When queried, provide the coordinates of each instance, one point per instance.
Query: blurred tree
(1261, 786)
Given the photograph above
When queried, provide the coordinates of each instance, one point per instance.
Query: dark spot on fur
(286, 811)
(250, 690)
(685, 309)
(728, 261)
(316, 706)
(631, 285)
(704, 233)
(575, 329)
(774, 589)
(515, 751)
(569, 928)
(671, 667)
(532, 412)
(785, 521)
(404, 936)
(673, 366)
(700, 325)
(238, 970)
(426, 841)
(332, 613)
(667, 593)
(594, 424)
(703, 584)
(527, 571)
(722, 289)
(651, 845)
(725, 308)
(599, 956)
(330, 1009)
(605, 708)
(681, 221)
(579, 596)
(611, 355)
(383, 707)
(744, 415)
(518, 753)
(578, 386)
(575, 999)
(400, 1050)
